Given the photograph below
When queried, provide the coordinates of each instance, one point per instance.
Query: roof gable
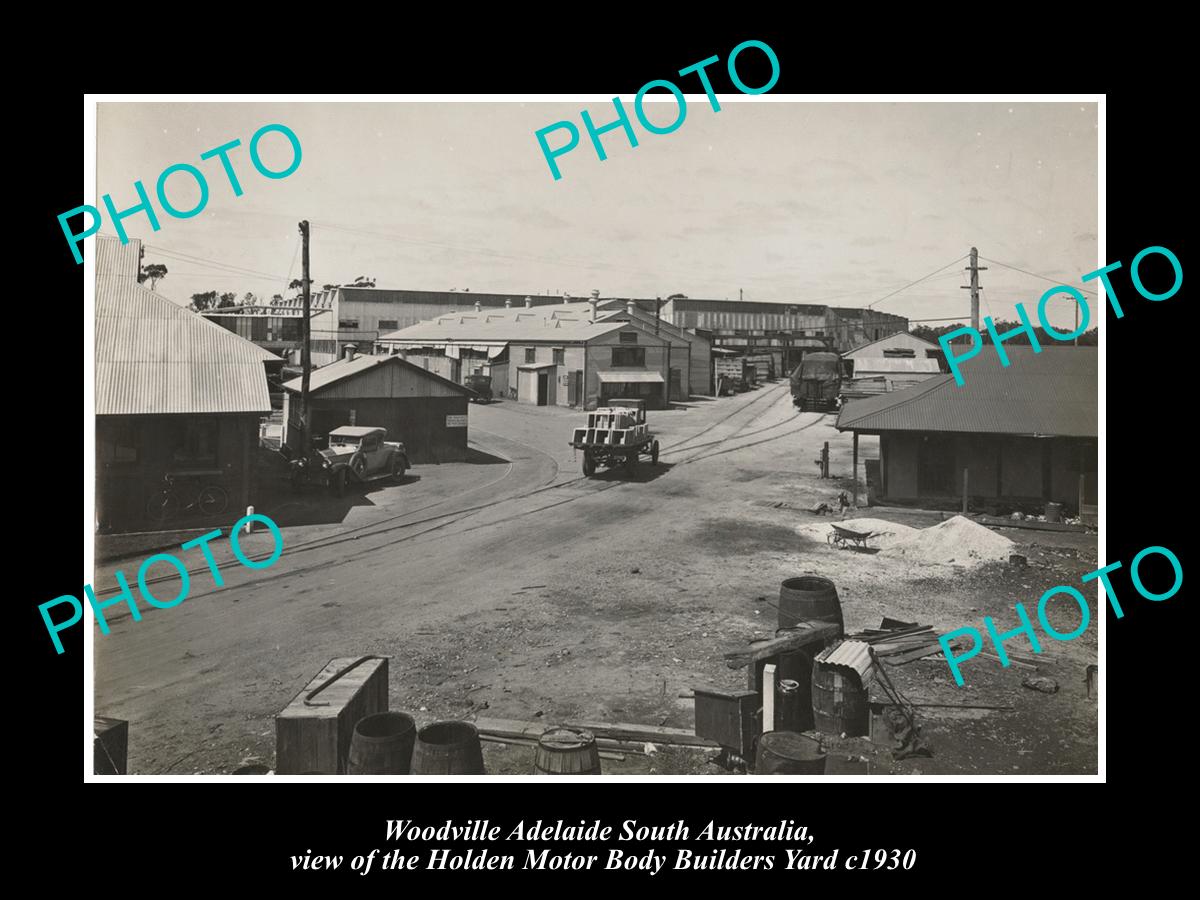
(1054, 392)
(156, 357)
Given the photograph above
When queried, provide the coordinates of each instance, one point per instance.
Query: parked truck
(817, 381)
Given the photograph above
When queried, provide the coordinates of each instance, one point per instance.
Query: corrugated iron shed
(347, 368)
(1051, 393)
(155, 357)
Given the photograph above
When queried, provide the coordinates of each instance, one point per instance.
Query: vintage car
(355, 453)
(481, 385)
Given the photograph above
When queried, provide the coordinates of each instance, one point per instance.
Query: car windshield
(342, 440)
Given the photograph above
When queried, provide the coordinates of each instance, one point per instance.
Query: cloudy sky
(797, 202)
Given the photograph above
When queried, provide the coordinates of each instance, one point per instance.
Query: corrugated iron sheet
(1052, 393)
(155, 357)
(342, 369)
(854, 655)
(889, 364)
(115, 258)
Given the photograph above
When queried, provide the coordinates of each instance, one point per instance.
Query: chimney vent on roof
(629, 307)
(349, 351)
(528, 302)
(508, 304)
(478, 306)
(566, 297)
(595, 293)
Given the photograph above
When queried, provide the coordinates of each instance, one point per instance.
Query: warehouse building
(360, 315)
(548, 356)
(1015, 437)
(176, 396)
(420, 408)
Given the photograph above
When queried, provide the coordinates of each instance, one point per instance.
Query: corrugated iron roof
(343, 368)
(517, 324)
(910, 338)
(854, 655)
(156, 357)
(1051, 393)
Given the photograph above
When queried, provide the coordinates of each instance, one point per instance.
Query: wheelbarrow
(844, 537)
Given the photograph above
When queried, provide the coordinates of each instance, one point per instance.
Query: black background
(967, 835)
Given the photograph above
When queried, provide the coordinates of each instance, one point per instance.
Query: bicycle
(167, 503)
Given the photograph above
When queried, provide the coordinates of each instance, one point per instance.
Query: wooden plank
(768, 697)
(617, 731)
(809, 632)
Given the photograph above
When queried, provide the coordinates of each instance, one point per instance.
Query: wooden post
(305, 353)
(855, 470)
(768, 698)
(965, 488)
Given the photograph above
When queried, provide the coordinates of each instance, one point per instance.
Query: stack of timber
(897, 643)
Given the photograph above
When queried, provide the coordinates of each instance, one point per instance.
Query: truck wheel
(397, 469)
(654, 453)
(589, 465)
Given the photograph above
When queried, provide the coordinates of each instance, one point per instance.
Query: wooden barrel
(789, 753)
(839, 701)
(809, 597)
(382, 745)
(448, 748)
(566, 751)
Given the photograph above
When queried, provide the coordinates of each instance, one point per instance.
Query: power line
(1036, 275)
(188, 257)
(918, 281)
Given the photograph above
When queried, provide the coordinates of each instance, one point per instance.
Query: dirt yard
(527, 592)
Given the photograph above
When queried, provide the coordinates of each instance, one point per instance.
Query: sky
(839, 203)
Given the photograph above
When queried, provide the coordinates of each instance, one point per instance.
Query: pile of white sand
(883, 533)
(958, 541)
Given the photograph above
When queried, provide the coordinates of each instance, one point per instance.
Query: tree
(363, 281)
(207, 300)
(1088, 339)
(152, 273)
(229, 299)
(276, 299)
(330, 287)
(249, 299)
(296, 284)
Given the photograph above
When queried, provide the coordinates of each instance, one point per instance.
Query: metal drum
(789, 753)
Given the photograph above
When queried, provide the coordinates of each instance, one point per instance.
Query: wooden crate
(728, 717)
(110, 746)
(316, 739)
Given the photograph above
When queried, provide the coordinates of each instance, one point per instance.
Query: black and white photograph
(449, 438)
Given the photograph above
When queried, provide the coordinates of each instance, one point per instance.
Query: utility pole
(658, 312)
(974, 268)
(305, 357)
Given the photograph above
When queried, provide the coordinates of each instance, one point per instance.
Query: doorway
(543, 387)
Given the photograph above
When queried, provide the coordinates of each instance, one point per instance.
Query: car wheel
(339, 482)
(397, 469)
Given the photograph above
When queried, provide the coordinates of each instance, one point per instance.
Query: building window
(531, 354)
(348, 323)
(560, 356)
(628, 337)
(194, 442)
(389, 324)
(629, 356)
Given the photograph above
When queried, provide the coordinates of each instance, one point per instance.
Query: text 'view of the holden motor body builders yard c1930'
(469, 470)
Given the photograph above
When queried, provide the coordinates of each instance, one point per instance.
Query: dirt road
(514, 585)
